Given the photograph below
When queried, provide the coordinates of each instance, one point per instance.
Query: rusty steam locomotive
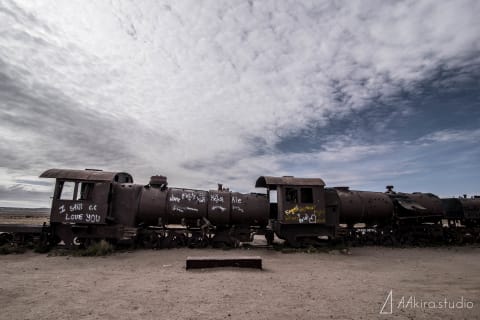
(89, 205)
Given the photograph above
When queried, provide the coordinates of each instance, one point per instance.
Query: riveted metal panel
(363, 206)
(125, 201)
(219, 207)
(417, 205)
(293, 210)
(429, 201)
(462, 208)
(153, 204)
(453, 208)
(186, 204)
(471, 208)
(91, 211)
(249, 209)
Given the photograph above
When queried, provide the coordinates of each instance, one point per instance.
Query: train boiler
(386, 218)
(353, 206)
(222, 216)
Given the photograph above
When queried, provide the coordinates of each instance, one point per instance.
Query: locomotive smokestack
(390, 189)
(158, 182)
(220, 187)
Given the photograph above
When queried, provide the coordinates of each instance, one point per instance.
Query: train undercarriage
(176, 236)
(165, 237)
(92, 205)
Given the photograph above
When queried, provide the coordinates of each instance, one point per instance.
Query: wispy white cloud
(449, 135)
(201, 91)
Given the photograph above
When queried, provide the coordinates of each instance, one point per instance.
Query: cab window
(306, 195)
(291, 195)
(69, 190)
(85, 191)
(66, 190)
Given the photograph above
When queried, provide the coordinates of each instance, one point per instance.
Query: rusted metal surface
(89, 204)
(298, 235)
(471, 208)
(190, 207)
(152, 206)
(453, 208)
(88, 175)
(249, 209)
(425, 206)
(268, 182)
(363, 206)
(301, 204)
(220, 262)
(186, 204)
(85, 197)
(219, 207)
(91, 208)
(158, 181)
(462, 208)
(429, 201)
(124, 204)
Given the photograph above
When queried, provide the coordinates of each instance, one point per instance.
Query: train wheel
(180, 240)
(6, 238)
(174, 240)
(407, 239)
(269, 236)
(390, 240)
(197, 240)
(223, 239)
(83, 243)
(459, 239)
(149, 239)
(226, 244)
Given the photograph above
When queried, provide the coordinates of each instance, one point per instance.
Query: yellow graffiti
(307, 214)
(298, 209)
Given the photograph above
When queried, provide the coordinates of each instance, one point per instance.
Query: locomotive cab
(82, 196)
(298, 213)
(81, 202)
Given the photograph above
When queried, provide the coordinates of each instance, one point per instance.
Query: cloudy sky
(359, 93)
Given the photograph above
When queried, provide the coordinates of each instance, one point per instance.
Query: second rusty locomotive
(89, 205)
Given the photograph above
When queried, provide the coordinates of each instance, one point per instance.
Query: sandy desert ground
(24, 215)
(147, 284)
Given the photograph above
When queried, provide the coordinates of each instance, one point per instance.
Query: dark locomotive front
(109, 205)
